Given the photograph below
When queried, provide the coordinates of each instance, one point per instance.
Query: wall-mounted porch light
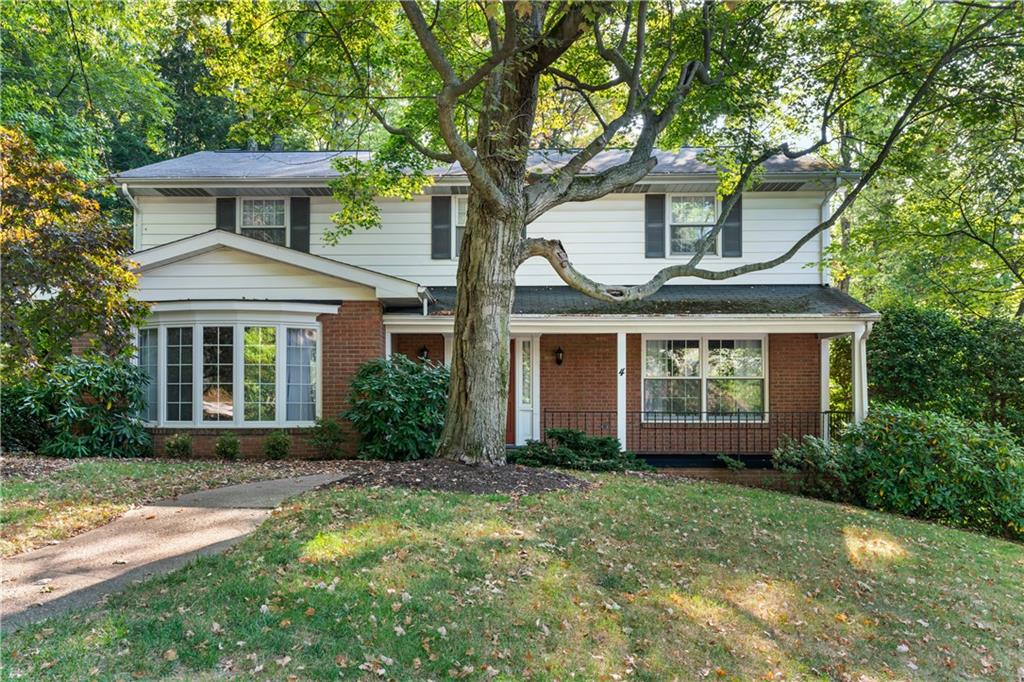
(559, 355)
(424, 353)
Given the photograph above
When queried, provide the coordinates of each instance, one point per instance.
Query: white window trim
(239, 324)
(703, 339)
(287, 215)
(455, 220)
(668, 225)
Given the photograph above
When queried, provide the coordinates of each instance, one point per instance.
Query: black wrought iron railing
(703, 433)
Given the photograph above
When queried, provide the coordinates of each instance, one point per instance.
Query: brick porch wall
(409, 345)
(585, 381)
(350, 337)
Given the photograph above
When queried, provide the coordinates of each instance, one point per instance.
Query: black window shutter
(440, 228)
(226, 214)
(300, 224)
(732, 231)
(654, 226)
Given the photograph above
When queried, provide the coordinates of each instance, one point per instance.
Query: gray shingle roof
(245, 165)
(676, 299)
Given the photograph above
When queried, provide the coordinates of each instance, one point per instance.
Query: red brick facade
(579, 393)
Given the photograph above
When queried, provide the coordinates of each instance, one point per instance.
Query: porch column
(826, 370)
(858, 375)
(824, 404)
(620, 398)
(448, 340)
(387, 344)
(863, 351)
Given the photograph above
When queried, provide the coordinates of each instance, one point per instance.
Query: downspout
(824, 213)
(136, 216)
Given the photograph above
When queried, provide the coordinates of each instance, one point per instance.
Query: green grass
(92, 492)
(633, 579)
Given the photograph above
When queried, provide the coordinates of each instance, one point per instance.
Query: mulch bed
(31, 468)
(447, 476)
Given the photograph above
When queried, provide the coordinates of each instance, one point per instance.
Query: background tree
(467, 82)
(944, 224)
(65, 270)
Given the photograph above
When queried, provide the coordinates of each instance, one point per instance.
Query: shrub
(277, 445)
(922, 464)
(929, 360)
(571, 449)
(398, 408)
(228, 446)
(79, 407)
(23, 424)
(822, 467)
(328, 438)
(732, 463)
(178, 445)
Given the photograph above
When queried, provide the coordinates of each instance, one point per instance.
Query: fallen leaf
(171, 655)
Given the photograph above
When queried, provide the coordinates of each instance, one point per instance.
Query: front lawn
(636, 578)
(46, 500)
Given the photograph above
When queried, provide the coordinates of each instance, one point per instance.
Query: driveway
(150, 540)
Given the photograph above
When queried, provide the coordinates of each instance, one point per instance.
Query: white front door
(527, 388)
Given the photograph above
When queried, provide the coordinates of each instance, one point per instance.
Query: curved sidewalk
(150, 540)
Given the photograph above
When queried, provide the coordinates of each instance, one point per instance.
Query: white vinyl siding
(229, 274)
(604, 239)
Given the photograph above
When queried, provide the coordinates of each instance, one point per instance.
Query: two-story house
(258, 322)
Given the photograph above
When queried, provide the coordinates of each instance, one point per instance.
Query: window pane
(672, 358)
(262, 212)
(148, 364)
(460, 230)
(693, 210)
(260, 374)
(179, 374)
(686, 238)
(671, 397)
(728, 396)
(735, 358)
(300, 375)
(218, 374)
(272, 235)
(461, 210)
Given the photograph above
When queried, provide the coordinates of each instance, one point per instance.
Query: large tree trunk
(474, 429)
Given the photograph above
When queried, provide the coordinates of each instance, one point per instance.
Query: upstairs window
(691, 219)
(461, 207)
(264, 219)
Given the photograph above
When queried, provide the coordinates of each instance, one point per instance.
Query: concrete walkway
(150, 540)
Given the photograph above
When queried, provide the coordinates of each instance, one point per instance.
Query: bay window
(691, 220)
(230, 373)
(703, 378)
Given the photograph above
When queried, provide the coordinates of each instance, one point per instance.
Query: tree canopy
(65, 271)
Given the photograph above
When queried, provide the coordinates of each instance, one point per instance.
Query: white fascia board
(270, 312)
(385, 286)
(636, 324)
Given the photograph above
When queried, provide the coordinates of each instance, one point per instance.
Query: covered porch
(677, 388)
